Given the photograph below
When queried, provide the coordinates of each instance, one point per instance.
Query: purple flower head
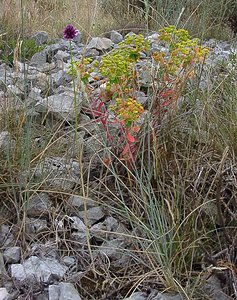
(70, 32)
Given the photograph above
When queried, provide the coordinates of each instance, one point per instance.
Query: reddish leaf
(135, 128)
(126, 149)
(130, 138)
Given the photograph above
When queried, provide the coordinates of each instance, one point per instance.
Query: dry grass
(51, 16)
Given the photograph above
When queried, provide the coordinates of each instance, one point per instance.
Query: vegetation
(171, 178)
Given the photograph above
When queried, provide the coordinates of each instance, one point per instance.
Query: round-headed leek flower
(70, 32)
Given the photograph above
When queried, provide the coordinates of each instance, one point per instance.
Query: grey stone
(91, 53)
(43, 296)
(77, 39)
(61, 105)
(154, 295)
(34, 226)
(3, 271)
(213, 289)
(6, 237)
(62, 55)
(12, 255)
(137, 296)
(33, 78)
(91, 215)
(5, 81)
(68, 292)
(116, 37)
(41, 270)
(39, 205)
(93, 145)
(109, 229)
(40, 37)
(113, 249)
(48, 249)
(80, 231)
(100, 44)
(166, 296)
(58, 172)
(13, 90)
(78, 203)
(59, 78)
(153, 38)
(54, 292)
(69, 261)
(33, 97)
(141, 98)
(4, 295)
(39, 59)
(63, 291)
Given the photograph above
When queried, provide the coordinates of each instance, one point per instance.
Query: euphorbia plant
(172, 70)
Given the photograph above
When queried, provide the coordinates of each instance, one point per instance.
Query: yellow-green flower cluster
(183, 50)
(128, 110)
(118, 65)
(81, 69)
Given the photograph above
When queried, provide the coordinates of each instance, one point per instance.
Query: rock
(167, 296)
(6, 237)
(54, 292)
(39, 205)
(5, 81)
(39, 59)
(3, 271)
(62, 55)
(12, 255)
(91, 215)
(58, 173)
(68, 292)
(93, 145)
(43, 296)
(109, 229)
(40, 37)
(33, 97)
(40, 269)
(34, 226)
(137, 296)
(154, 295)
(100, 44)
(63, 291)
(116, 37)
(212, 288)
(4, 294)
(60, 78)
(77, 39)
(69, 261)
(36, 79)
(153, 38)
(91, 53)
(79, 230)
(78, 203)
(113, 249)
(48, 249)
(14, 91)
(61, 106)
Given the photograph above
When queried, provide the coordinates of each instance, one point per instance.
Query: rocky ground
(70, 243)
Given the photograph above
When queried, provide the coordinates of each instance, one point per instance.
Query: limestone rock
(39, 269)
(116, 37)
(100, 44)
(63, 291)
(12, 255)
(40, 37)
(39, 205)
(61, 105)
